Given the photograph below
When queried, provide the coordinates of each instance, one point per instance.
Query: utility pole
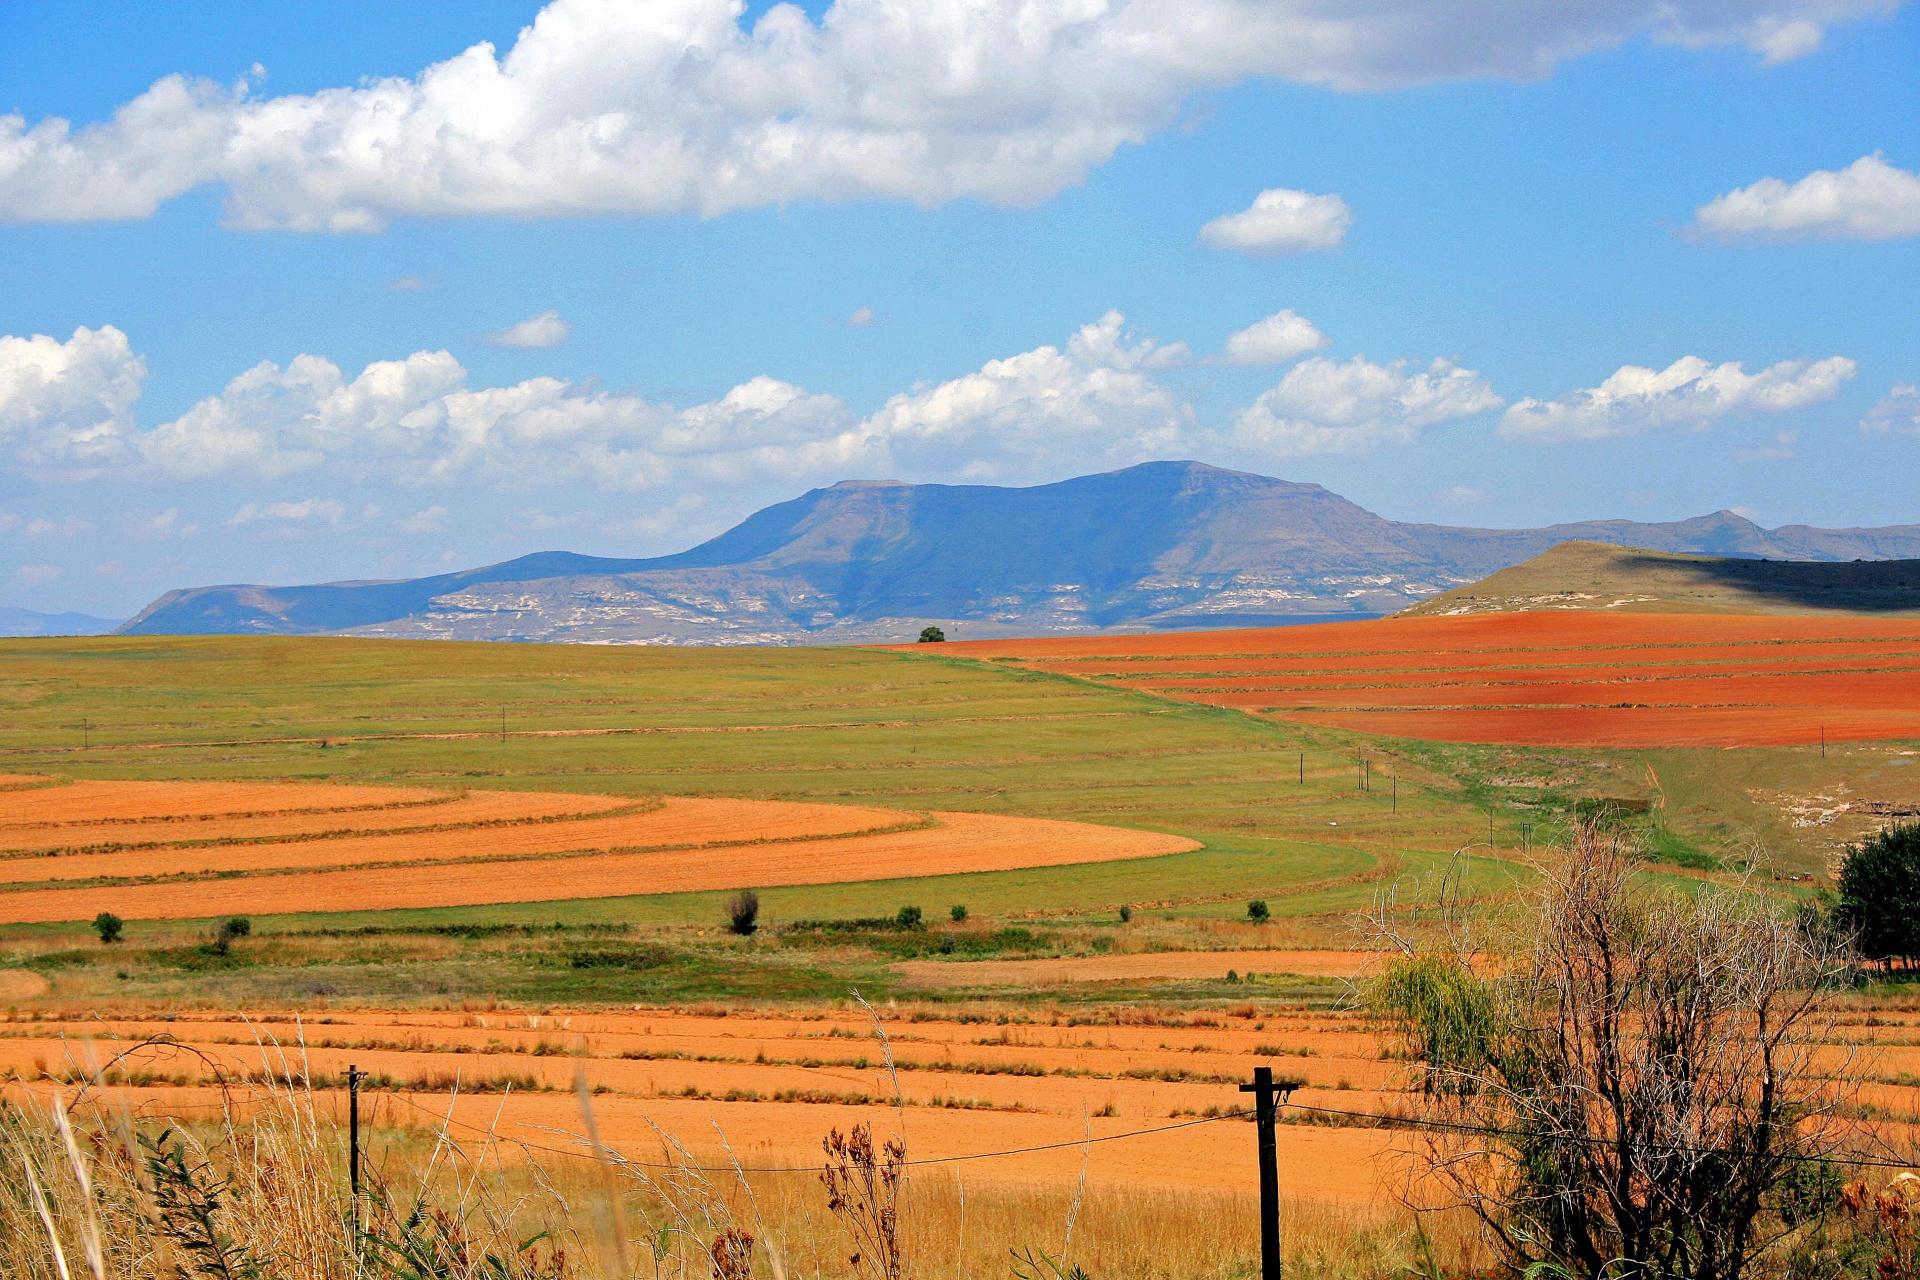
(1396, 793)
(1264, 1092)
(1823, 742)
(1303, 768)
(354, 1077)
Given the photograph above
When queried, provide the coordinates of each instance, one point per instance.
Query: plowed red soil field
(1552, 679)
(69, 852)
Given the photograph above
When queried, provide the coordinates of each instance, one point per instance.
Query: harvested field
(1128, 968)
(1550, 679)
(774, 1083)
(84, 802)
(444, 812)
(498, 848)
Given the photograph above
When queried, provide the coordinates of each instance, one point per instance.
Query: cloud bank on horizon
(67, 413)
(604, 106)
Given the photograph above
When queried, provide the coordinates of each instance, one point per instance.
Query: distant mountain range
(26, 622)
(1164, 545)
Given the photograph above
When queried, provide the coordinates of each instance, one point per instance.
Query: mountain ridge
(1155, 546)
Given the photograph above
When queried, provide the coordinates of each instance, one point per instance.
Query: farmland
(510, 847)
(494, 876)
(1565, 679)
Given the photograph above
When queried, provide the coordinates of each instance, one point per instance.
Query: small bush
(907, 918)
(108, 926)
(1257, 911)
(1126, 914)
(932, 635)
(958, 912)
(223, 937)
(743, 912)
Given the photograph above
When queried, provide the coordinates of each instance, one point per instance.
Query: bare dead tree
(1629, 1088)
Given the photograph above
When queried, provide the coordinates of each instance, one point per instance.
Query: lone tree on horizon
(932, 635)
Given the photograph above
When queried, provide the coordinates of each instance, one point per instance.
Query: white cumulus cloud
(1282, 336)
(535, 333)
(324, 510)
(1326, 407)
(1689, 393)
(671, 106)
(427, 520)
(1095, 401)
(68, 405)
(1898, 413)
(1281, 221)
(1868, 200)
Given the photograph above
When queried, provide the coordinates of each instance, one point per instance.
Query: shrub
(1257, 911)
(1126, 914)
(1880, 894)
(907, 918)
(743, 912)
(932, 635)
(108, 926)
(223, 937)
(958, 912)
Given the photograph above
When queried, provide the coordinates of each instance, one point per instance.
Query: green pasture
(1278, 808)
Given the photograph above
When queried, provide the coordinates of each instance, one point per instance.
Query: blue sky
(1653, 265)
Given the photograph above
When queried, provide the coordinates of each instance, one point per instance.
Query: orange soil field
(1550, 679)
(775, 1083)
(441, 812)
(1128, 968)
(504, 847)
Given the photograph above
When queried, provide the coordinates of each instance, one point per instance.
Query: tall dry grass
(259, 1189)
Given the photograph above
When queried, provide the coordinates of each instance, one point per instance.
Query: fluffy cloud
(1898, 414)
(535, 333)
(307, 510)
(428, 520)
(1326, 407)
(415, 421)
(609, 106)
(1094, 401)
(1688, 393)
(1282, 336)
(68, 405)
(1868, 200)
(1281, 221)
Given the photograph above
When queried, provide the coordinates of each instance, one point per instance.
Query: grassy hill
(1598, 575)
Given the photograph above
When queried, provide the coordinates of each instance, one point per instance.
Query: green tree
(958, 912)
(108, 926)
(1880, 894)
(907, 918)
(932, 635)
(1257, 911)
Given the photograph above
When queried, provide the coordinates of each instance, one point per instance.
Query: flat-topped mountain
(1158, 546)
(1594, 575)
